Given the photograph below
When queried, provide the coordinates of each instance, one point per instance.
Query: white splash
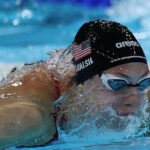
(105, 126)
(2, 96)
(17, 84)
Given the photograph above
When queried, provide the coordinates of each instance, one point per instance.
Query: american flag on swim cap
(82, 50)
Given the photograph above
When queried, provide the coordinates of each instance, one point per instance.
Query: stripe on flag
(82, 50)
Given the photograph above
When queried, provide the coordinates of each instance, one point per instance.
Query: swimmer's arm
(34, 88)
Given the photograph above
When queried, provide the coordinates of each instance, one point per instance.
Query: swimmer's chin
(24, 124)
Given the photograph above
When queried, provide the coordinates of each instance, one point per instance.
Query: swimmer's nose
(129, 105)
(132, 101)
(132, 98)
(129, 102)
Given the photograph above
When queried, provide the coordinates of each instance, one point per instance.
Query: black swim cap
(100, 45)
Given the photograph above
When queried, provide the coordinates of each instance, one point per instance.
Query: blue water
(32, 28)
(28, 30)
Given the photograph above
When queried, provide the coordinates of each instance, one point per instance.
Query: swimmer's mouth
(126, 114)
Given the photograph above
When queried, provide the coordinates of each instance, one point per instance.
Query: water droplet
(16, 22)
(26, 14)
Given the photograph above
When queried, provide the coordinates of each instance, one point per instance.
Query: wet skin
(26, 109)
(126, 101)
(93, 94)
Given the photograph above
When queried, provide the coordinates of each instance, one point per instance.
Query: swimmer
(105, 66)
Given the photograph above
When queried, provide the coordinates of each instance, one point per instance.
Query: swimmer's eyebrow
(125, 76)
(122, 75)
(145, 74)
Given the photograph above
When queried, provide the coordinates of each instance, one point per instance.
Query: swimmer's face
(128, 99)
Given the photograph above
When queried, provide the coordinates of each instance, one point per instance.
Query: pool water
(28, 30)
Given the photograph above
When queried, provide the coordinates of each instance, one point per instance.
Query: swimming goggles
(114, 82)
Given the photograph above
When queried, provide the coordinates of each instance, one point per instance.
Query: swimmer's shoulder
(51, 77)
(34, 79)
